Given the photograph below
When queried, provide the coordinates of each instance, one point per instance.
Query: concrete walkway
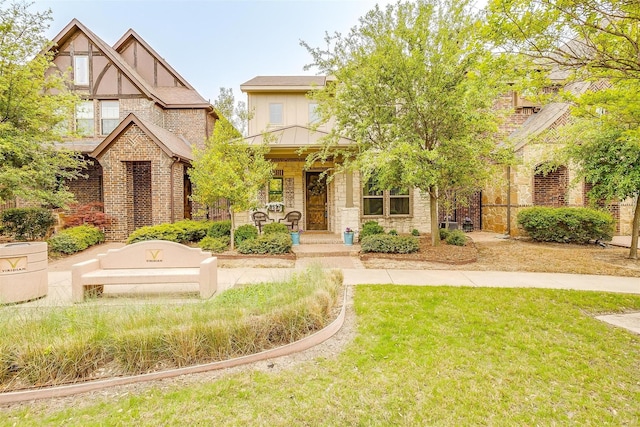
(338, 256)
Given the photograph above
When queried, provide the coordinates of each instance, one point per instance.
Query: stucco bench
(149, 262)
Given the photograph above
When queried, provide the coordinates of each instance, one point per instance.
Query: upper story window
(85, 118)
(81, 70)
(392, 202)
(275, 114)
(109, 116)
(314, 115)
(276, 190)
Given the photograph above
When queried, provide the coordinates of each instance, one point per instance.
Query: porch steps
(315, 245)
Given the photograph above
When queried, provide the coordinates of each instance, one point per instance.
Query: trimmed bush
(27, 223)
(371, 228)
(415, 232)
(220, 229)
(275, 227)
(388, 244)
(215, 244)
(275, 243)
(245, 232)
(75, 239)
(456, 237)
(566, 225)
(180, 232)
(444, 233)
(393, 232)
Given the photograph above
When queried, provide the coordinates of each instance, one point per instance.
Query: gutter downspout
(509, 201)
(175, 160)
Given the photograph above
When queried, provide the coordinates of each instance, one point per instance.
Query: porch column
(349, 192)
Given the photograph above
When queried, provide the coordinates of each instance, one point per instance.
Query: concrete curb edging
(84, 387)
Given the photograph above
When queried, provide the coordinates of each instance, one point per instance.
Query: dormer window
(314, 116)
(81, 70)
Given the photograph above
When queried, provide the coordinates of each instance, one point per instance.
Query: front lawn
(422, 356)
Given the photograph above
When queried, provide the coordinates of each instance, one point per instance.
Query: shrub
(89, 213)
(275, 227)
(456, 237)
(180, 232)
(75, 239)
(154, 232)
(444, 233)
(275, 243)
(27, 223)
(220, 229)
(393, 232)
(415, 232)
(388, 244)
(245, 232)
(191, 231)
(371, 228)
(215, 244)
(569, 225)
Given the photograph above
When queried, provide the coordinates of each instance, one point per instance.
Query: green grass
(422, 356)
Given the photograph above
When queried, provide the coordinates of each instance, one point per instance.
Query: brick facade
(137, 184)
(550, 189)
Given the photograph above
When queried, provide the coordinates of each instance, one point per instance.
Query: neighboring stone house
(137, 122)
(282, 110)
(525, 185)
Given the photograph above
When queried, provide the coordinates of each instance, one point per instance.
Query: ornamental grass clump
(68, 344)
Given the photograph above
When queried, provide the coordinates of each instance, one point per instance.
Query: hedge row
(26, 223)
(185, 231)
(388, 244)
(568, 225)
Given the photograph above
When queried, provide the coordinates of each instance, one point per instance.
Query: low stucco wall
(23, 271)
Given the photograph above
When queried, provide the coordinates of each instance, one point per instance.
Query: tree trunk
(635, 225)
(433, 213)
(233, 226)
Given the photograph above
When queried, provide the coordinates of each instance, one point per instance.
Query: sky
(217, 43)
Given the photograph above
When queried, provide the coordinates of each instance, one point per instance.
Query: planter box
(23, 271)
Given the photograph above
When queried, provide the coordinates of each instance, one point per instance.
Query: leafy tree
(33, 101)
(590, 40)
(415, 90)
(229, 168)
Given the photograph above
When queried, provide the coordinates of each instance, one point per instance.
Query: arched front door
(316, 201)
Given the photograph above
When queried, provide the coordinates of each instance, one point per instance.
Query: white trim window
(85, 118)
(81, 70)
(314, 114)
(276, 113)
(109, 116)
(385, 203)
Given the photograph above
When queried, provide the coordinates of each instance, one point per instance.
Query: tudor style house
(136, 123)
(282, 110)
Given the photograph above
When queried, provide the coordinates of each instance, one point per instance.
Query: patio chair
(259, 218)
(291, 220)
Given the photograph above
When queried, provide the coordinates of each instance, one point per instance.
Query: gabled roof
(130, 36)
(284, 83)
(173, 145)
(167, 99)
(545, 118)
(292, 137)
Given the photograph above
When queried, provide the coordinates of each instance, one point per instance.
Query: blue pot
(348, 238)
(295, 238)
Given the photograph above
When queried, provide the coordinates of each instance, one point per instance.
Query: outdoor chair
(259, 218)
(291, 220)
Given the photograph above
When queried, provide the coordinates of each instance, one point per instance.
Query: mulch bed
(444, 253)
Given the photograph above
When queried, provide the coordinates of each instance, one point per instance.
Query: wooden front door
(316, 196)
